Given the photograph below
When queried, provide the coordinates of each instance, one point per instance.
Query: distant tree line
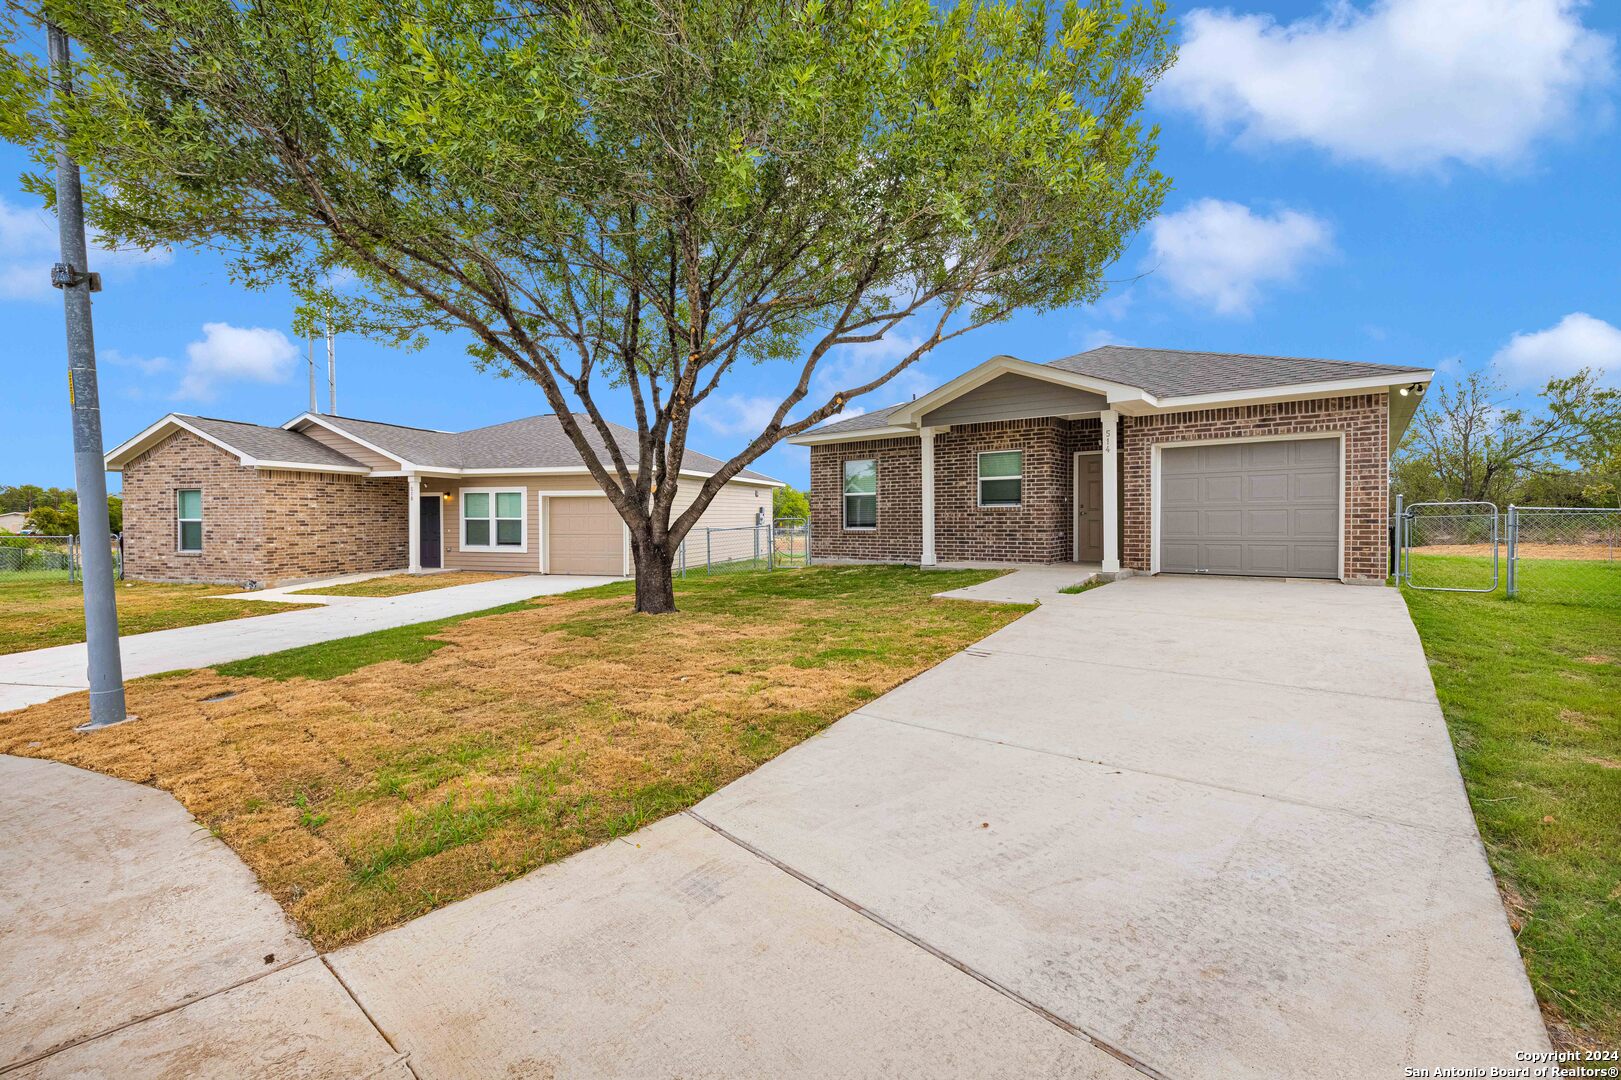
(1471, 441)
(54, 511)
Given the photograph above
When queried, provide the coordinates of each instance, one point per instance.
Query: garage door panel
(1267, 522)
(1224, 558)
(1267, 508)
(1179, 558)
(1266, 455)
(1316, 560)
(1317, 452)
(584, 536)
(1267, 559)
(1269, 486)
(1226, 488)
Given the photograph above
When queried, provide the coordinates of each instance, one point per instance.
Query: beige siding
(349, 448)
(1014, 397)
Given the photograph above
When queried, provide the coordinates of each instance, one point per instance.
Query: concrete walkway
(1035, 583)
(28, 678)
(1182, 828)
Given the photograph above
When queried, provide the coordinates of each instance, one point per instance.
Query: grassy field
(1532, 696)
(37, 612)
(370, 780)
(401, 584)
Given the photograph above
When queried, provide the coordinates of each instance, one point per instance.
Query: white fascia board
(816, 438)
(296, 466)
(316, 418)
(1264, 395)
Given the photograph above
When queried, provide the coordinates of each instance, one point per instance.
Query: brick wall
(258, 526)
(1363, 419)
(1039, 529)
(899, 535)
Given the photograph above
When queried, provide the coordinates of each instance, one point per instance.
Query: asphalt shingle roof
(269, 443)
(1180, 373)
(534, 442)
(1172, 373)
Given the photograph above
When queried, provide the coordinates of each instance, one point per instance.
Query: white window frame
(522, 547)
(844, 496)
(179, 523)
(980, 478)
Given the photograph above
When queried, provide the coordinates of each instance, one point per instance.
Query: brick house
(209, 500)
(1146, 460)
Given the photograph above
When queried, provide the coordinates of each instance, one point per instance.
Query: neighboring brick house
(210, 500)
(1147, 460)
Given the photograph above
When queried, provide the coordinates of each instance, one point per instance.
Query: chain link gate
(1449, 547)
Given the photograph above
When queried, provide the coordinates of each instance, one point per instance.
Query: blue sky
(1426, 182)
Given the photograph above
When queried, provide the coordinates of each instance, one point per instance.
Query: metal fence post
(771, 545)
(1395, 541)
(708, 548)
(756, 532)
(1513, 545)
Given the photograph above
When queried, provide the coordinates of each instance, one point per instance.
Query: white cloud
(235, 354)
(1221, 253)
(29, 246)
(1574, 342)
(1403, 84)
(738, 414)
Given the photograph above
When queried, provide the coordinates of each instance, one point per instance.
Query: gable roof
(1184, 373)
(1140, 381)
(269, 443)
(534, 442)
(253, 445)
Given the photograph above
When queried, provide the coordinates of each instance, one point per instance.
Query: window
(493, 520)
(1001, 478)
(189, 514)
(861, 494)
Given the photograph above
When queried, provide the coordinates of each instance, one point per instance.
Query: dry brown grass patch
(366, 799)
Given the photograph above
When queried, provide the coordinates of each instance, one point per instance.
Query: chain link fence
(1564, 555)
(49, 558)
(780, 545)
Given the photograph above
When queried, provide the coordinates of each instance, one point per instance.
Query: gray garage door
(1269, 509)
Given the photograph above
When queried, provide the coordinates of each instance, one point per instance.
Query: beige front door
(584, 536)
(1088, 507)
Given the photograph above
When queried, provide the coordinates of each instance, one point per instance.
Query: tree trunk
(655, 577)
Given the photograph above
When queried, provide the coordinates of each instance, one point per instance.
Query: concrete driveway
(1183, 828)
(27, 678)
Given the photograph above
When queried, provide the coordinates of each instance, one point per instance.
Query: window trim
(180, 523)
(520, 548)
(980, 478)
(845, 496)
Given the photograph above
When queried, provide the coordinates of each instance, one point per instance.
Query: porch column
(928, 495)
(413, 526)
(1110, 421)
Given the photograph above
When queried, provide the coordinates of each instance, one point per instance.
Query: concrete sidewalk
(28, 678)
(134, 944)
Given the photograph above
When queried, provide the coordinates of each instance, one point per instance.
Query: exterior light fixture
(1412, 388)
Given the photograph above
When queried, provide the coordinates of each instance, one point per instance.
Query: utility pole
(72, 275)
(331, 373)
(314, 406)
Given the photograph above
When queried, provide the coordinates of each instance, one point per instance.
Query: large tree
(1472, 440)
(636, 197)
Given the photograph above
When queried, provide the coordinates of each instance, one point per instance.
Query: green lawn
(37, 612)
(1532, 696)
